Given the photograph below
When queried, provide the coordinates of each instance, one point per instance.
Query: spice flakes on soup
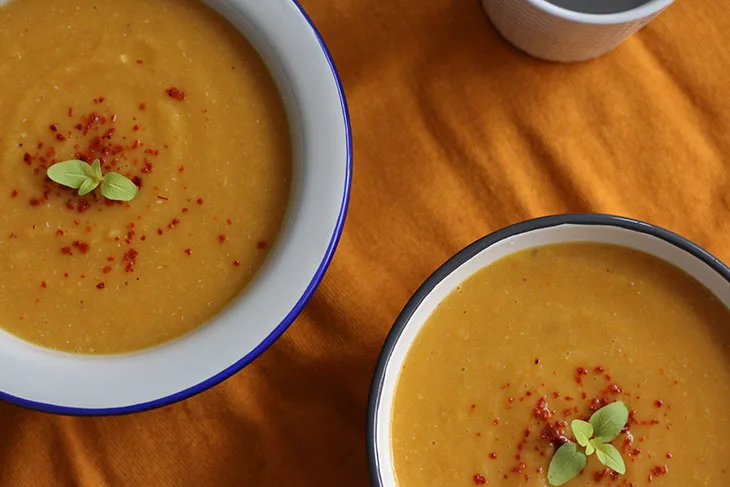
(139, 230)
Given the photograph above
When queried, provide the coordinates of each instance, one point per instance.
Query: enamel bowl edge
(682, 253)
(305, 74)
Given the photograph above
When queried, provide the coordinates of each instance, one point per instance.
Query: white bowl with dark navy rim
(608, 229)
(303, 69)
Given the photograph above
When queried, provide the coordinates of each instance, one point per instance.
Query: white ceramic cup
(57, 382)
(548, 31)
(608, 229)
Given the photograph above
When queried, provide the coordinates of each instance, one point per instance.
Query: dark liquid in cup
(599, 6)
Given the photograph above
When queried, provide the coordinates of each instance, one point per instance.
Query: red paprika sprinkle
(493, 455)
(479, 480)
(82, 247)
(236, 263)
(188, 251)
(221, 238)
(14, 194)
(54, 128)
(44, 285)
(614, 389)
(541, 411)
(181, 169)
(106, 269)
(555, 433)
(66, 251)
(658, 471)
(200, 201)
(143, 106)
(261, 245)
(100, 285)
(519, 468)
(130, 257)
(659, 403)
(579, 373)
(175, 94)
(60, 137)
(27, 158)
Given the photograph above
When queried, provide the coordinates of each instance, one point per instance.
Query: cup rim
(419, 296)
(288, 319)
(637, 13)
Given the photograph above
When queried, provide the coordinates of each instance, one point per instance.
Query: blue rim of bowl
(278, 331)
(376, 388)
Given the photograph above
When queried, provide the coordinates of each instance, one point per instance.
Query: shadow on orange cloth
(456, 135)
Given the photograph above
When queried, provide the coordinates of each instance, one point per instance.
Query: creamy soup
(542, 337)
(169, 94)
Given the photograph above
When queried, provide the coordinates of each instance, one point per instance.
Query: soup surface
(169, 94)
(549, 335)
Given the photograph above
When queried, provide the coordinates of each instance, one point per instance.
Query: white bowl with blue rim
(608, 229)
(298, 59)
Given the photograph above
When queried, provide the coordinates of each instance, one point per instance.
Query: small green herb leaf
(609, 456)
(70, 173)
(117, 187)
(593, 445)
(583, 431)
(608, 421)
(88, 186)
(566, 464)
(96, 170)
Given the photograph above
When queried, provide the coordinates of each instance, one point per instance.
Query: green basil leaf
(117, 187)
(592, 445)
(608, 421)
(88, 186)
(566, 464)
(582, 430)
(96, 170)
(609, 456)
(70, 173)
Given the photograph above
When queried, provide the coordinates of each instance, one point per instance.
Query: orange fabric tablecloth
(456, 135)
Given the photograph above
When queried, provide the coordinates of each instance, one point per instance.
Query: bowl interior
(585, 12)
(301, 67)
(649, 239)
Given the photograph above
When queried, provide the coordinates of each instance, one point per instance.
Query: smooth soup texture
(169, 94)
(549, 335)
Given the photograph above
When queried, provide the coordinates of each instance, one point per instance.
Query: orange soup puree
(549, 335)
(169, 94)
